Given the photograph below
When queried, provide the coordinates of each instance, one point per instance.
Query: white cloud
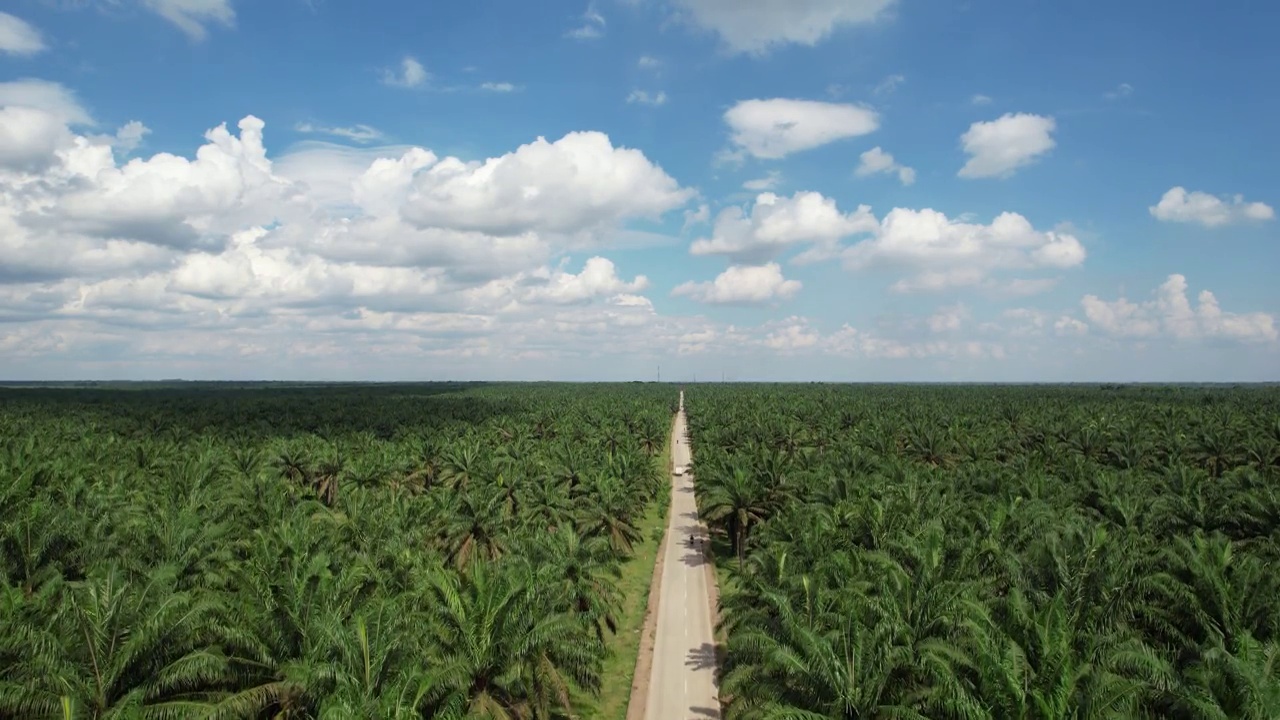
(648, 62)
(359, 132)
(1122, 90)
(742, 285)
(49, 97)
(997, 148)
(877, 160)
(1171, 314)
(76, 212)
(326, 224)
(328, 170)
(29, 138)
(940, 253)
(768, 182)
(798, 336)
(409, 74)
(575, 184)
(1070, 326)
(949, 318)
(755, 26)
(599, 278)
(696, 216)
(18, 37)
(777, 223)
(498, 87)
(775, 128)
(228, 260)
(191, 16)
(1178, 205)
(644, 98)
(793, 335)
(980, 99)
(592, 25)
(130, 135)
(889, 84)
(171, 201)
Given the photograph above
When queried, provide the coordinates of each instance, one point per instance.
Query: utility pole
(659, 372)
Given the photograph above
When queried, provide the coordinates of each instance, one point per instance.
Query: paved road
(682, 683)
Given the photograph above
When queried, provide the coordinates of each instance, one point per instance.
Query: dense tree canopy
(1039, 553)
(324, 552)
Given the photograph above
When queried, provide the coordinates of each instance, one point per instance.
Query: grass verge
(637, 574)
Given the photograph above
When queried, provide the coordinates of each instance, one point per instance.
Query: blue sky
(811, 189)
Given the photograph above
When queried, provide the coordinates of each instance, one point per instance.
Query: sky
(840, 190)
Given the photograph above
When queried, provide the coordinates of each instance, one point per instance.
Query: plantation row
(994, 552)
(350, 552)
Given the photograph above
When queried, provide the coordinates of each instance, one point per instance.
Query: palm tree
(733, 502)
(118, 648)
(583, 572)
(1241, 683)
(503, 650)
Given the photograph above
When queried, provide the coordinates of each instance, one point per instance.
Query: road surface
(682, 682)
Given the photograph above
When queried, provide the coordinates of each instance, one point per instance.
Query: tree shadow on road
(702, 657)
(695, 559)
(697, 713)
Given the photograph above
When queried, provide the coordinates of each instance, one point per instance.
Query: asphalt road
(682, 683)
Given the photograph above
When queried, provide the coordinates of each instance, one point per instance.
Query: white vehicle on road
(679, 470)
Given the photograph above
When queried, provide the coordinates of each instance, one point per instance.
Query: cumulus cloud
(755, 26)
(1171, 314)
(228, 239)
(775, 128)
(29, 137)
(1178, 205)
(574, 184)
(191, 16)
(743, 285)
(940, 253)
(599, 278)
(774, 224)
(307, 281)
(648, 62)
(998, 148)
(409, 74)
(129, 136)
(498, 87)
(934, 252)
(49, 97)
(169, 200)
(645, 98)
(877, 160)
(18, 37)
(327, 170)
